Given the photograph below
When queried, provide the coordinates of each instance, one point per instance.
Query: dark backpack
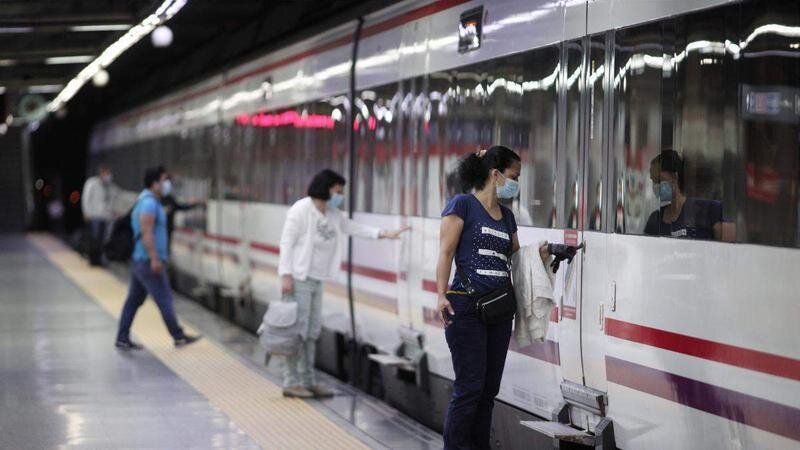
(120, 244)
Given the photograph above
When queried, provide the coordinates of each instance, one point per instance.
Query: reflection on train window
(595, 154)
(706, 136)
(376, 150)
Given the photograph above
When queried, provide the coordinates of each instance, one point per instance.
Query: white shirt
(299, 240)
(97, 199)
(324, 248)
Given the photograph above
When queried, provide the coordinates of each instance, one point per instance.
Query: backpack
(279, 332)
(121, 241)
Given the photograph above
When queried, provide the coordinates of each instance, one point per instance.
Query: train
(658, 340)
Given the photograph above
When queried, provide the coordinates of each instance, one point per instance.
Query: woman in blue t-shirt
(481, 235)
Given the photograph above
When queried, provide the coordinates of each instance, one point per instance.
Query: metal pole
(355, 365)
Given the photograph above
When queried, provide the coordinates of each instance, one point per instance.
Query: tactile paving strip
(254, 403)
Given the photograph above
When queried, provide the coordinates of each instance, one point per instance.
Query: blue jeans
(479, 355)
(300, 367)
(97, 228)
(143, 282)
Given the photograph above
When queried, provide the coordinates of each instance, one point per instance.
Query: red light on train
(288, 118)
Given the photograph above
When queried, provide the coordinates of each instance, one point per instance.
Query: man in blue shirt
(148, 271)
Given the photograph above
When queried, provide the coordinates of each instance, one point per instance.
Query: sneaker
(320, 391)
(186, 340)
(127, 345)
(297, 392)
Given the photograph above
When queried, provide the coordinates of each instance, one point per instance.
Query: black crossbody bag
(494, 307)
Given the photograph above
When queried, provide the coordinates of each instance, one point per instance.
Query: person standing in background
(172, 205)
(96, 204)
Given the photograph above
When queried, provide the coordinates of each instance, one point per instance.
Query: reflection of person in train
(309, 255)
(480, 234)
(681, 216)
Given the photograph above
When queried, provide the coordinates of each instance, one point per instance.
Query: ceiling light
(45, 88)
(14, 30)
(108, 27)
(165, 11)
(7, 62)
(3, 129)
(2, 90)
(161, 36)
(100, 79)
(79, 59)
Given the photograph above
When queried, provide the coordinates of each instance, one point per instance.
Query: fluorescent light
(108, 27)
(45, 88)
(80, 59)
(2, 90)
(165, 11)
(7, 62)
(14, 30)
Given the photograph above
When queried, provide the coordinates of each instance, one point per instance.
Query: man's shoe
(320, 391)
(297, 392)
(186, 340)
(127, 345)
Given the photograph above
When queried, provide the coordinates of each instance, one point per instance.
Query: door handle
(613, 296)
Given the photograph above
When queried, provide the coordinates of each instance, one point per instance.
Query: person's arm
(354, 228)
(146, 225)
(449, 235)
(292, 229)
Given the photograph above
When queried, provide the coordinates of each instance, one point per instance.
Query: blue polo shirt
(147, 203)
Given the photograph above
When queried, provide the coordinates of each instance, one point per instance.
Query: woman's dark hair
(321, 184)
(670, 161)
(152, 175)
(474, 170)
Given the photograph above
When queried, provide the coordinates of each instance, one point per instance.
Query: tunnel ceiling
(209, 35)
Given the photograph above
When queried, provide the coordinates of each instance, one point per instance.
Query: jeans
(479, 355)
(143, 282)
(300, 366)
(97, 228)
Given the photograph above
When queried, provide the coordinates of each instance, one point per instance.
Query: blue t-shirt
(484, 249)
(147, 203)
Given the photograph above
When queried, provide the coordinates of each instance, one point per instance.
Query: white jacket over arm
(297, 238)
(533, 287)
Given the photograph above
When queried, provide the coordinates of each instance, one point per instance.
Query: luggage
(279, 332)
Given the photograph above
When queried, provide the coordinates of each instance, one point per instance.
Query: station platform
(63, 384)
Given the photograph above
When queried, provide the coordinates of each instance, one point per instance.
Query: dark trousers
(143, 282)
(97, 233)
(479, 355)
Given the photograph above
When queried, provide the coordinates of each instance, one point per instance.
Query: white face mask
(106, 178)
(166, 187)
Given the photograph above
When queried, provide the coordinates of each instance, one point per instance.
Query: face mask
(663, 191)
(106, 178)
(508, 190)
(336, 200)
(166, 187)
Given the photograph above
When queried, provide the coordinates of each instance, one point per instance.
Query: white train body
(695, 342)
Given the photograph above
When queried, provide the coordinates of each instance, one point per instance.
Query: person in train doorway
(97, 206)
(481, 235)
(172, 205)
(148, 271)
(309, 254)
(681, 216)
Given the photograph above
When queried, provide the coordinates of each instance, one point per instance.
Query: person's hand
(156, 266)
(287, 284)
(395, 234)
(544, 252)
(445, 310)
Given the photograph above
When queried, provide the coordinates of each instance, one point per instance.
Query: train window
(706, 134)
(769, 187)
(376, 150)
(596, 77)
(571, 142)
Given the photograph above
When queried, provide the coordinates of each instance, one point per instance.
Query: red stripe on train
(745, 358)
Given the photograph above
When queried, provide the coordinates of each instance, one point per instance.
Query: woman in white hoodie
(309, 254)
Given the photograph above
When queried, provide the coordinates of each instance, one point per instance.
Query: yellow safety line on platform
(254, 403)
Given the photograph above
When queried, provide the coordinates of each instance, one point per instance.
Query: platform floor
(64, 385)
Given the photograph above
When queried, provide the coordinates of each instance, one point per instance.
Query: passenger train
(680, 342)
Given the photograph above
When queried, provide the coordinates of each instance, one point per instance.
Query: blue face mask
(665, 192)
(508, 190)
(336, 200)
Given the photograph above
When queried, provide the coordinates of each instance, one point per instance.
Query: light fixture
(7, 62)
(61, 112)
(161, 36)
(15, 30)
(107, 27)
(9, 119)
(2, 90)
(100, 79)
(45, 88)
(3, 129)
(165, 11)
(78, 59)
